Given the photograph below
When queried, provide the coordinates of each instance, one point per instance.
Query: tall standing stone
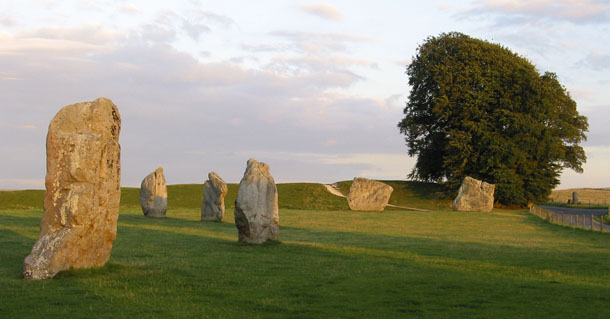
(365, 194)
(474, 196)
(214, 191)
(256, 206)
(574, 198)
(153, 194)
(81, 205)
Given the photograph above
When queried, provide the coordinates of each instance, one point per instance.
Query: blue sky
(315, 89)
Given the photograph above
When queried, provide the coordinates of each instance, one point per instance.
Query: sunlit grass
(391, 264)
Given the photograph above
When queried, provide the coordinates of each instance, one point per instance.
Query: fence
(574, 220)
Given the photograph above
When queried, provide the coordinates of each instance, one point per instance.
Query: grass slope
(290, 195)
(338, 264)
(411, 194)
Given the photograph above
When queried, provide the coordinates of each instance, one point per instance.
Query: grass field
(586, 196)
(328, 264)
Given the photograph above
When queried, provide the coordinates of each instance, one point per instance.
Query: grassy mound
(411, 194)
(25, 199)
(290, 195)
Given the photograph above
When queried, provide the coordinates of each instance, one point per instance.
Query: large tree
(477, 109)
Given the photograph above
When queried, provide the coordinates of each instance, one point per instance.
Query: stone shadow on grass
(184, 268)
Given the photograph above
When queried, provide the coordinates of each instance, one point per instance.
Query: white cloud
(318, 63)
(91, 34)
(7, 21)
(171, 102)
(319, 43)
(443, 6)
(574, 11)
(130, 9)
(213, 18)
(323, 10)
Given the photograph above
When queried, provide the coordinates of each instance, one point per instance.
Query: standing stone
(214, 191)
(575, 198)
(153, 194)
(81, 205)
(256, 206)
(474, 196)
(365, 194)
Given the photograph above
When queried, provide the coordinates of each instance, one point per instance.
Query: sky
(314, 89)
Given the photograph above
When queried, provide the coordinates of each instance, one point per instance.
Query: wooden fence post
(601, 224)
(591, 220)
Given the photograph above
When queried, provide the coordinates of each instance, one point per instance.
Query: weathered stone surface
(474, 196)
(81, 205)
(153, 194)
(256, 206)
(214, 191)
(365, 194)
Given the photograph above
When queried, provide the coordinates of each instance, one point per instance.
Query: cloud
(214, 18)
(319, 43)
(319, 63)
(511, 12)
(7, 21)
(194, 30)
(91, 34)
(597, 61)
(323, 10)
(443, 6)
(171, 103)
(130, 9)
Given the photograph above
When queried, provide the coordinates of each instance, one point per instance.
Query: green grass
(290, 195)
(25, 199)
(329, 264)
(411, 194)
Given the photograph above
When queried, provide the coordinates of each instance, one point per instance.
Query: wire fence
(580, 220)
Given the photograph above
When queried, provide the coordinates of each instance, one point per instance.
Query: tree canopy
(477, 109)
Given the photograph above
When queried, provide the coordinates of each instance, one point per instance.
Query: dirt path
(333, 190)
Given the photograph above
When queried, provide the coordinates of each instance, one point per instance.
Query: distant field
(593, 196)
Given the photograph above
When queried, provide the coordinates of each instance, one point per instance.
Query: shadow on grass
(183, 268)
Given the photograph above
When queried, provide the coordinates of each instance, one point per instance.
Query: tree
(477, 109)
